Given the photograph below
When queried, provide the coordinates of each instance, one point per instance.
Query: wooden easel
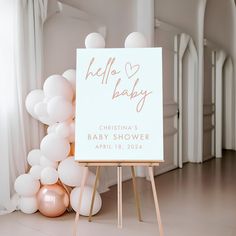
(119, 166)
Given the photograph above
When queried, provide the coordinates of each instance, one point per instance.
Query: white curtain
(21, 24)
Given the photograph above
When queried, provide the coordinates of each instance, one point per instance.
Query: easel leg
(94, 192)
(136, 195)
(84, 179)
(119, 195)
(150, 169)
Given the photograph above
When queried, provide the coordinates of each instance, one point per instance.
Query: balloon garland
(53, 169)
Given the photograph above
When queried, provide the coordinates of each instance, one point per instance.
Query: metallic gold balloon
(52, 200)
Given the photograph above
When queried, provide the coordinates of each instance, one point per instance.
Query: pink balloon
(52, 200)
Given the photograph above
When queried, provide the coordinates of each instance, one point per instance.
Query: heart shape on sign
(131, 70)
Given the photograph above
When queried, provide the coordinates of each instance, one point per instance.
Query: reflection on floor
(198, 200)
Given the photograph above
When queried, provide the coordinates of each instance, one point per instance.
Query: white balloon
(57, 85)
(49, 175)
(54, 147)
(26, 186)
(35, 171)
(70, 173)
(32, 99)
(135, 40)
(63, 129)
(70, 75)
(33, 157)
(94, 40)
(86, 201)
(72, 132)
(40, 109)
(60, 109)
(28, 205)
(52, 128)
(44, 162)
(46, 120)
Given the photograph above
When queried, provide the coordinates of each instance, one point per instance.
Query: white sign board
(119, 108)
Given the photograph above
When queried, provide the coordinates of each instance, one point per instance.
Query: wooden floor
(198, 200)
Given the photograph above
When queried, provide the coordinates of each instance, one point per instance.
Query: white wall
(63, 35)
(182, 14)
(220, 25)
(118, 15)
(220, 28)
(216, 21)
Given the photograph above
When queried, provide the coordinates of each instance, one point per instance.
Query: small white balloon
(60, 109)
(28, 205)
(40, 109)
(49, 176)
(70, 75)
(33, 157)
(32, 99)
(57, 85)
(94, 40)
(26, 186)
(135, 40)
(54, 147)
(44, 162)
(70, 173)
(86, 201)
(35, 171)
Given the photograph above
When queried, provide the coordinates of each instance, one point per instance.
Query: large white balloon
(26, 186)
(57, 85)
(86, 201)
(45, 162)
(35, 171)
(70, 75)
(60, 109)
(54, 147)
(33, 157)
(40, 109)
(94, 40)
(28, 205)
(135, 40)
(63, 129)
(32, 99)
(46, 120)
(70, 173)
(49, 175)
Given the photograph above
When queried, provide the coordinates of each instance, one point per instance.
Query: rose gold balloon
(52, 200)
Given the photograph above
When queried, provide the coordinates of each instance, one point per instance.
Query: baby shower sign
(119, 105)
